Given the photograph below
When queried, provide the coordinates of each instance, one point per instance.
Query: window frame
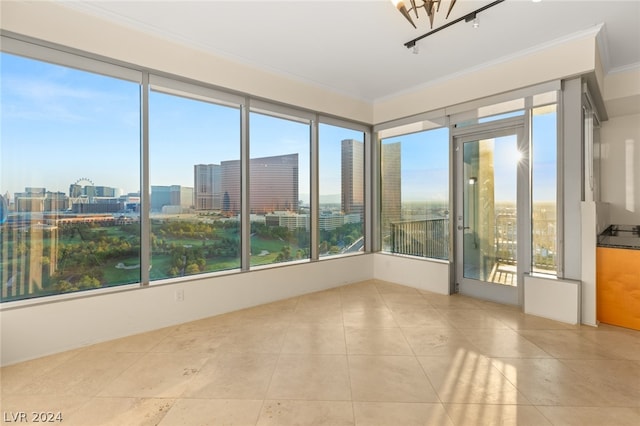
(427, 123)
(367, 179)
(150, 79)
(198, 93)
(71, 59)
(527, 99)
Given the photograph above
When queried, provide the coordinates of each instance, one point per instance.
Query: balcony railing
(430, 238)
(425, 238)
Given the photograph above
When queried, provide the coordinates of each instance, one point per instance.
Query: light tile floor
(371, 353)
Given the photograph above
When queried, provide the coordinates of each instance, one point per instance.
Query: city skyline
(58, 116)
(72, 107)
(273, 185)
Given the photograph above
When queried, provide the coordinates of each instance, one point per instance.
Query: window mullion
(145, 194)
(245, 218)
(315, 198)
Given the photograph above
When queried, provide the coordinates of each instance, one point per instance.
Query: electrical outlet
(180, 295)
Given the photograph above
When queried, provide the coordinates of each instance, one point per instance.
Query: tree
(284, 255)
(192, 268)
(87, 282)
(64, 286)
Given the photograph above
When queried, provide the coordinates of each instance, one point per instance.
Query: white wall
(566, 59)
(423, 274)
(555, 299)
(620, 168)
(622, 92)
(36, 330)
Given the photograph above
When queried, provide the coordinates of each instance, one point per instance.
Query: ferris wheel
(77, 193)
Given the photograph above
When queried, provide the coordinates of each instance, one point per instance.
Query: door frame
(459, 135)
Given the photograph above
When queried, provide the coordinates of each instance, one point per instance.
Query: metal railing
(430, 238)
(425, 238)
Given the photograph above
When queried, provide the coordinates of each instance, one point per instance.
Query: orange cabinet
(618, 286)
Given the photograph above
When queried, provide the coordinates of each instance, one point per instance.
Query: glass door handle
(460, 227)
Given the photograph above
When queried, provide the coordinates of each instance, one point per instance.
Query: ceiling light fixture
(469, 17)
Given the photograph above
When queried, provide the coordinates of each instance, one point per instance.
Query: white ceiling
(357, 47)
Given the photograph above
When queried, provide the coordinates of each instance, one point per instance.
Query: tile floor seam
(440, 401)
(346, 349)
(275, 366)
(427, 376)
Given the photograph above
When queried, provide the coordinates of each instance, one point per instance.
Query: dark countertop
(620, 236)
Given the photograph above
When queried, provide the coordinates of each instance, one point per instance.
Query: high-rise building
(274, 185)
(207, 186)
(105, 191)
(174, 195)
(352, 201)
(182, 196)
(160, 197)
(178, 196)
(35, 200)
(230, 176)
(392, 182)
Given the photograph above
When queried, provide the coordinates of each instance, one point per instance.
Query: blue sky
(425, 165)
(60, 125)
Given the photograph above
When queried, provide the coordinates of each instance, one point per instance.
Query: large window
(194, 155)
(415, 193)
(341, 190)
(544, 189)
(279, 192)
(70, 179)
(83, 142)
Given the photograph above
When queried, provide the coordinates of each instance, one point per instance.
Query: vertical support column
(589, 218)
(524, 211)
(245, 208)
(145, 202)
(453, 206)
(314, 200)
(372, 192)
(571, 181)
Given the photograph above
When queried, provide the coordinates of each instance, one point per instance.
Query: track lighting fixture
(432, 7)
